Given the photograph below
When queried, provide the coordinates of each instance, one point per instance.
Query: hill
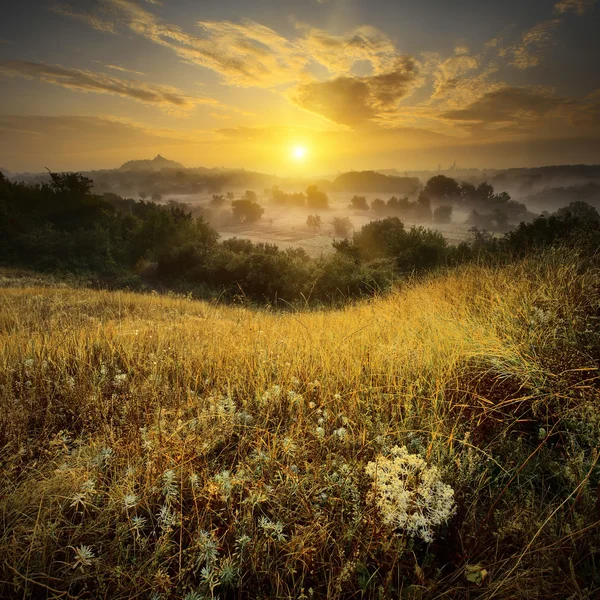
(374, 182)
(156, 164)
(438, 442)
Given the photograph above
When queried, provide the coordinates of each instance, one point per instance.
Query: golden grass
(478, 370)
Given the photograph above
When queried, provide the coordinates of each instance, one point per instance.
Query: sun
(299, 153)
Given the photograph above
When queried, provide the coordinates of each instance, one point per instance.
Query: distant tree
(441, 186)
(217, 200)
(485, 191)
(246, 211)
(143, 195)
(315, 198)
(359, 203)
(468, 192)
(442, 214)
(315, 222)
(230, 196)
(378, 206)
(398, 205)
(342, 226)
(250, 196)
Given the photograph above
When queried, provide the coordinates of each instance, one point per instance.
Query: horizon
(299, 88)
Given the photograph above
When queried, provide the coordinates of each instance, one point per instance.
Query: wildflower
(194, 481)
(410, 494)
(167, 519)
(205, 548)
(271, 529)
(83, 557)
(138, 523)
(289, 446)
(311, 405)
(320, 433)
(119, 379)
(78, 500)
(130, 501)
(341, 433)
(169, 489)
(229, 572)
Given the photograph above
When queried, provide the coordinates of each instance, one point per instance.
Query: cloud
(164, 97)
(123, 69)
(529, 51)
(579, 7)
(93, 20)
(356, 100)
(511, 105)
(339, 53)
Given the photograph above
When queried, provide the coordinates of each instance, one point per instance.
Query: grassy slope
(491, 374)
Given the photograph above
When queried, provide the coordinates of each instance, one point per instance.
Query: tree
(359, 203)
(217, 200)
(315, 198)
(143, 195)
(441, 186)
(342, 226)
(156, 197)
(378, 206)
(380, 238)
(581, 211)
(443, 214)
(230, 196)
(315, 222)
(246, 211)
(250, 196)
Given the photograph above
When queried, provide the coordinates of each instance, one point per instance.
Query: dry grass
(161, 447)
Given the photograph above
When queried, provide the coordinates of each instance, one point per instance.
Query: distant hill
(157, 164)
(372, 181)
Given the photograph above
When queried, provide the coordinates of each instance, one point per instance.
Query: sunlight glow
(299, 152)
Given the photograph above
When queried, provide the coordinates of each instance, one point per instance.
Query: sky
(299, 87)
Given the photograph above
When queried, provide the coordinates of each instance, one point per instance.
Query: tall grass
(159, 447)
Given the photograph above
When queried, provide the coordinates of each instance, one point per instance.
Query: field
(286, 226)
(158, 447)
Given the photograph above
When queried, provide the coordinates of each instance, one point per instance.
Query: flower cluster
(410, 494)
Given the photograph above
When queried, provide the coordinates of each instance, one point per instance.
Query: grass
(158, 447)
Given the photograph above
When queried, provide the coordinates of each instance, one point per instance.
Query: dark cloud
(88, 81)
(511, 104)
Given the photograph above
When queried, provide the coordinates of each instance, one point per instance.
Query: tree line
(63, 227)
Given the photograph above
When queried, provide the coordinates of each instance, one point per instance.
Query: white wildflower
(83, 557)
(341, 433)
(410, 494)
(119, 379)
(320, 432)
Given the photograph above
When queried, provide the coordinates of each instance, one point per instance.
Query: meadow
(437, 442)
